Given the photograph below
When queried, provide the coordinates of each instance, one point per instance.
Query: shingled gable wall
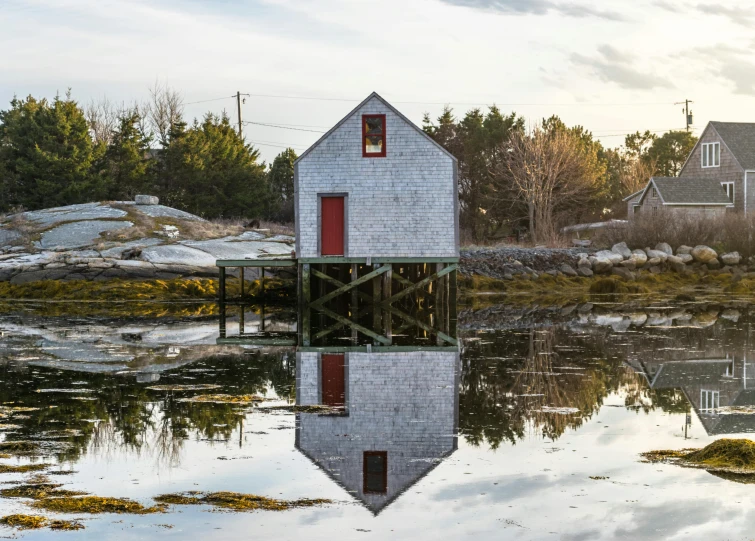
(402, 205)
(404, 403)
(728, 171)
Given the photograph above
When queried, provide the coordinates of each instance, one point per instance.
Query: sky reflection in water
(499, 441)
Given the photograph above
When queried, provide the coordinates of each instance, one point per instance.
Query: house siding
(402, 205)
(728, 171)
(631, 204)
(405, 403)
(651, 202)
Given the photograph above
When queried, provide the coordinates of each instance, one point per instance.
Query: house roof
(689, 191)
(740, 139)
(393, 109)
(635, 194)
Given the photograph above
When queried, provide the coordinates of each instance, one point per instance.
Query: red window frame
(366, 154)
(384, 485)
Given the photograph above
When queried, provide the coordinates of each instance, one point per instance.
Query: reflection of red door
(333, 380)
(332, 226)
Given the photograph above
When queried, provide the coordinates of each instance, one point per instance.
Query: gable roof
(740, 140)
(635, 194)
(688, 191)
(389, 106)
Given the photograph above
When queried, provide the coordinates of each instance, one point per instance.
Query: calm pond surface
(530, 429)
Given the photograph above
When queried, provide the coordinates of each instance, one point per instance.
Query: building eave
(393, 109)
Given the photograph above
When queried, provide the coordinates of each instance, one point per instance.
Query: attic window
(375, 473)
(711, 154)
(373, 136)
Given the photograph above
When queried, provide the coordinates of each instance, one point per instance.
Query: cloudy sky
(613, 66)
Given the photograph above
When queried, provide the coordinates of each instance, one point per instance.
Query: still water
(530, 428)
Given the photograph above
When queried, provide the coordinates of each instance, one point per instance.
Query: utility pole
(686, 111)
(239, 101)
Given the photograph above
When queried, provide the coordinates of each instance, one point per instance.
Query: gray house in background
(698, 197)
(722, 162)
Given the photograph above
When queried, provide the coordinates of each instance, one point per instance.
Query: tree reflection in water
(534, 387)
(106, 413)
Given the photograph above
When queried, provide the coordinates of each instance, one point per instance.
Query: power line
(493, 102)
(278, 145)
(281, 127)
(213, 99)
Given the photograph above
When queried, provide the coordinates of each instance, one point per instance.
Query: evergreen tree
(128, 159)
(280, 181)
(47, 153)
(210, 171)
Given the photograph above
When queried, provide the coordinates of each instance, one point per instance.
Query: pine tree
(47, 153)
(128, 159)
(280, 181)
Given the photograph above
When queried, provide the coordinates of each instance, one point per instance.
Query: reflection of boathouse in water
(399, 419)
(715, 388)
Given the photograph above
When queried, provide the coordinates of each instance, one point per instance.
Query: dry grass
(235, 501)
(95, 505)
(731, 232)
(38, 491)
(24, 522)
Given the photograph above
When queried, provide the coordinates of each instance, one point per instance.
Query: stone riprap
(71, 243)
(509, 262)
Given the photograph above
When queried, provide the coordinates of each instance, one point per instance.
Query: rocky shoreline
(507, 263)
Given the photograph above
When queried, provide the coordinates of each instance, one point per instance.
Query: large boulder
(622, 249)
(584, 271)
(685, 258)
(732, 258)
(639, 257)
(601, 263)
(584, 262)
(684, 249)
(676, 263)
(623, 273)
(664, 247)
(657, 254)
(567, 270)
(611, 256)
(704, 254)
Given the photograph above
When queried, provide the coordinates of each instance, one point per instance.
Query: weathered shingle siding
(631, 204)
(728, 171)
(404, 403)
(402, 205)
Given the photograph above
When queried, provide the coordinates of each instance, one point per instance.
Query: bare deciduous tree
(102, 117)
(550, 173)
(636, 173)
(164, 111)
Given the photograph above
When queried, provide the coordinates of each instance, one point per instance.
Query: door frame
(345, 380)
(345, 196)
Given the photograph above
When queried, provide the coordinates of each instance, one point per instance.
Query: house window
(710, 401)
(636, 209)
(729, 189)
(375, 472)
(655, 211)
(373, 136)
(654, 193)
(711, 154)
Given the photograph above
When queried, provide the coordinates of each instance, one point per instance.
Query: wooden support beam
(452, 303)
(364, 330)
(377, 314)
(404, 281)
(419, 285)
(421, 325)
(338, 283)
(326, 331)
(221, 300)
(341, 290)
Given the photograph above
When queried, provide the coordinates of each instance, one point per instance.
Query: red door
(332, 226)
(333, 380)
